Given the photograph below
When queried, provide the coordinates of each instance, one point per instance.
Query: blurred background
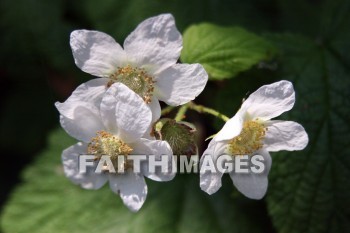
(37, 69)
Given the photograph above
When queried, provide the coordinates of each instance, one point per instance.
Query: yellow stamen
(136, 79)
(107, 144)
(249, 140)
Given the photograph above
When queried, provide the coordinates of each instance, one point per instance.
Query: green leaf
(224, 51)
(47, 201)
(309, 190)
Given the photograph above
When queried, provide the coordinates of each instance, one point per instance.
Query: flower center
(249, 140)
(136, 79)
(107, 144)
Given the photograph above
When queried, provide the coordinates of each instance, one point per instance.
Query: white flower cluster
(114, 113)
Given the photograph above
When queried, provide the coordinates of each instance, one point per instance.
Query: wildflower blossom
(146, 64)
(251, 131)
(111, 124)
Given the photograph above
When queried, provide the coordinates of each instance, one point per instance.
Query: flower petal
(180, 83)
(155, 108)
(96, 53)
(155, 44)
(285, 135)
(156, 148)
(88, 180)
(270, 101)
(132, 117)
(156, 113)
(231, 129)
(131, 187)
(211, 182)
(90, 92)
(84, 124)
(253, 185)
(108, 111)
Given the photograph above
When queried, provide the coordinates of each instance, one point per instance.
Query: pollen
(249, 140)
(108, 144)
(136, 79)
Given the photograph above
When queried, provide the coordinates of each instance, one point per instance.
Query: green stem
(167, 110)
(202, 109)
(181, 113)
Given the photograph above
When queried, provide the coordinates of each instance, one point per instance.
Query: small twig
(202, 109)
(167, 110)
(181, 113)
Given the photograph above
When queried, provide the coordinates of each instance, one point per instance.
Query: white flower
(110, 123)
(252, 132)
(147, 64)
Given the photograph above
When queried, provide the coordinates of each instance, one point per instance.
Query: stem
(181, 113)
(167, 110)
(202, 109)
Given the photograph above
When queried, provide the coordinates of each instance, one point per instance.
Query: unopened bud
(180, 135)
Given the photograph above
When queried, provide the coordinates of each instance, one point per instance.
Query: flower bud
(180, 135)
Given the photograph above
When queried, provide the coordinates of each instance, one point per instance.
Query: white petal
(231, 129)
(156, 148)
(155, 44)
(70, 160)
(253, 185)
(96, 52)
(84, 124)
(90, 92)
(211, 182)
(180, 83)
(131, 187)
(285, 135)
(132, 116)
(270, 101)
(156, 113)
(155, 108)
(108, 111)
